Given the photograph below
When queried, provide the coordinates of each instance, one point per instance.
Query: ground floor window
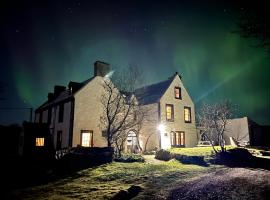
(87, 138)
(40, 142)
(178, 139)
(59, 140)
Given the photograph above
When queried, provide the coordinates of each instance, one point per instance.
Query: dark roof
(61, 97)
(65, 95)
(152, 93)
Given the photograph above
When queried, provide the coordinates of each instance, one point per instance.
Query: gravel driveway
(228, 183)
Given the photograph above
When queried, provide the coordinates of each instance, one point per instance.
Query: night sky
(44, 44)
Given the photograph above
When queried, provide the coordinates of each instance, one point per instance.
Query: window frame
(91, 137)
(189, 109)
(180, 92)
(59, 139)
(104, 133)
(38, 140)
(172, 112)
(61, 111)
(40, 116)
(49, 115)
(181, 142)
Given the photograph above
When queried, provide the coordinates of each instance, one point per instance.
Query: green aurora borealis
(51, 44)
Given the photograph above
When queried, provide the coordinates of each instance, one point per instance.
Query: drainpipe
(159, 120)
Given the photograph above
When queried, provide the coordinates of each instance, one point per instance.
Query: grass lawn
(197, 151)
(106, 180)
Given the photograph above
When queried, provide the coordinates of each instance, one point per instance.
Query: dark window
(169, 112)
(178, 139)
(59, 140)
(104, 133)
(187, 114)
(40, 117)
(61, 113)
(177, 93)
(49, 115)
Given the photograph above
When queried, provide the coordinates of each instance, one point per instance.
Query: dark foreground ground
(227, 183)
(234, 175)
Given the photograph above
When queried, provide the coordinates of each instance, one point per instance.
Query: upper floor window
(177, 93)
(40, 117)
(169, 112)
(49, 115)
(187, 114)
(61, 113)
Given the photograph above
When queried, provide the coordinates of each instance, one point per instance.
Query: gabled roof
(65, 95)
(152, 93)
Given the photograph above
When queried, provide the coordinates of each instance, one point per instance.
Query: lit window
(178, 139)
(187, 114)
(86, 139)
(172, 138)
(39, 142)
(182, 138)
(169, 112)
(177, 93)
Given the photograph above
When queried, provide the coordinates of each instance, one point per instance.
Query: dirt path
(228, 183)
(151, 159)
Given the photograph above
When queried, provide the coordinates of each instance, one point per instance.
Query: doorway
(132, 143)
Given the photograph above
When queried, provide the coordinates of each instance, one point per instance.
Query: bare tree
(121, 110)
(212, 121)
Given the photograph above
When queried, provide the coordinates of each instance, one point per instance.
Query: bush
(163, 155)
(197, 160)
(240, 153)
(236, 156)
(130, 158)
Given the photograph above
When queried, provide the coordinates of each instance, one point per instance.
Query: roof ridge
(152, 84)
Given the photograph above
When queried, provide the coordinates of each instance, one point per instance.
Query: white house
(73, 114)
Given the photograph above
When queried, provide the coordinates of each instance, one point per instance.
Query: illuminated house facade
(171, 122)
(73, 114)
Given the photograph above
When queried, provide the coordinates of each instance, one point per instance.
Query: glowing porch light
(161, 128)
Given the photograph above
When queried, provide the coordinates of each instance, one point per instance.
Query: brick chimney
(58, 89)
(101, 68)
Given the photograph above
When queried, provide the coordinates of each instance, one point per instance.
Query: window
(61, 113)
(169, 112)
(104, 133)
(177, 93)
(178, 139)
(59, 140)
(40, 117)
(39, 142)
(86, 138)
(49, 115)
(187, 114)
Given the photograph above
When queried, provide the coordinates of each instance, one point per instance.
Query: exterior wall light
(161, 128)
